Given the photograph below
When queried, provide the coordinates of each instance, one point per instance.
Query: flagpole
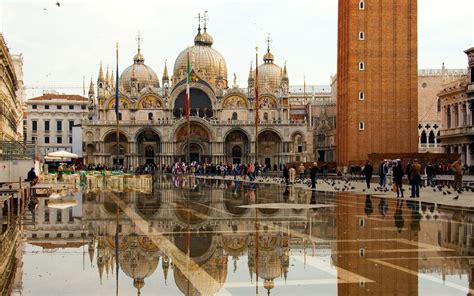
(117, 107)
(256, 104)
(188, 101)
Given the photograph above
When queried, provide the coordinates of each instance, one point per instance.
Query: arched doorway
(269, 147)
(148, 146)
(237, 146)
(200, 104)
(198, 140)
(117, 154)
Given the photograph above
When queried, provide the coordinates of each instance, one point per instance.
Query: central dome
(207, 62)
(140, 73)
(269, 74)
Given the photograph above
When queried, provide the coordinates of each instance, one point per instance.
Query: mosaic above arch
(149, 102)
(235, 102)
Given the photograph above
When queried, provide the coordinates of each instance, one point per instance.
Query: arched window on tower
(438, 105)
(448, 117)
(423, 138)
(431, 138)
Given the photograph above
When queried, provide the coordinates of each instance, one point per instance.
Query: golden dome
(141, 73)
(137, 264)
(269, 77)
(207, 62)
(213, 273)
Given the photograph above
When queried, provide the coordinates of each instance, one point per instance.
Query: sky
(61, 45)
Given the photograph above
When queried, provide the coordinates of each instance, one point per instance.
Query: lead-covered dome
(207, 62)
(139, 73)
(269, 74)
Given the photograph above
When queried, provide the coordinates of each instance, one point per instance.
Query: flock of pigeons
(346, 185)
(57, 4)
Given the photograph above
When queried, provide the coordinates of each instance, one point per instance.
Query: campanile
(376, 78)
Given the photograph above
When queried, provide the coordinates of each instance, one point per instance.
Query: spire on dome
(101, 74)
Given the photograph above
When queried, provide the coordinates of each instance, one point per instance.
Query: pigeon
(58, 4)
(456, 197)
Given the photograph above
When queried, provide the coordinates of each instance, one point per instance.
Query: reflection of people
(399, 221)
(32, 175)
(369, 209)
(292, 175)
(397, 178)
(312, 174)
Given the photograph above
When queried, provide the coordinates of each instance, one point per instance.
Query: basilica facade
(153, 126)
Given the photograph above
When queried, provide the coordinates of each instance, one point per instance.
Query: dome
(207, 62)
(209, 278)
(137, 264)
(269, 77)
(143, 74)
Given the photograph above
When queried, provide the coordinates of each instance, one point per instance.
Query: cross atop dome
(205, 19)
(139, 39)
(268, 41)
(268, 57)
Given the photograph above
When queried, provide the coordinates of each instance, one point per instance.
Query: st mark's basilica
(152, 119)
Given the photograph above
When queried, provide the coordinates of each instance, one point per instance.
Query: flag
(188, 91)
(117, 87)
(256, 88)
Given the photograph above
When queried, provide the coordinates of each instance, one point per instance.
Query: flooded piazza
(191, 236)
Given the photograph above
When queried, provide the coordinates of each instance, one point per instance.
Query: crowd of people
(413, 171)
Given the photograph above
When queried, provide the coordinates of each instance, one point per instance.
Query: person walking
(368, 170)
(430, 172)
(301, 170)
(457, 168)
(286, 174)
(312, 174)
(383, 174)
(415, 178)
(398, 177)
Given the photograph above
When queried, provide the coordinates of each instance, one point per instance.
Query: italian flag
(188, 91)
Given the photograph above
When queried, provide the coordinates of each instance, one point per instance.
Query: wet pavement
(188, 236)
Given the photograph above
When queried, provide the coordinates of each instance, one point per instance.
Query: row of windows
(59, 140)
(58, 107)
(59, 125)
(361, 64)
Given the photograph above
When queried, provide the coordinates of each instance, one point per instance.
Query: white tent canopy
(62, 154)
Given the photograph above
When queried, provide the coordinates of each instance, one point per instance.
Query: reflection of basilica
(152, 123)
(205, 223)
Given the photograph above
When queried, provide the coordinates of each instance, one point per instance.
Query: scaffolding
(17, 150)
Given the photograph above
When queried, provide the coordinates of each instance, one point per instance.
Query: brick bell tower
(377, 100)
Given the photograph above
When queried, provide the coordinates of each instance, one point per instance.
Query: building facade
(377, 79)
(153, 126)
(10, 104)
(457, 123)
(430, 82)
(50, 119)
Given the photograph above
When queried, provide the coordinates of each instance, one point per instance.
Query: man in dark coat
(368, 170)
(312, 174)
(286, 174)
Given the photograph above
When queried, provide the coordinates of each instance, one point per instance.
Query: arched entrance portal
(269, 147)
(237, 147)
(148, 146)
(199, 143)
(117, 154)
